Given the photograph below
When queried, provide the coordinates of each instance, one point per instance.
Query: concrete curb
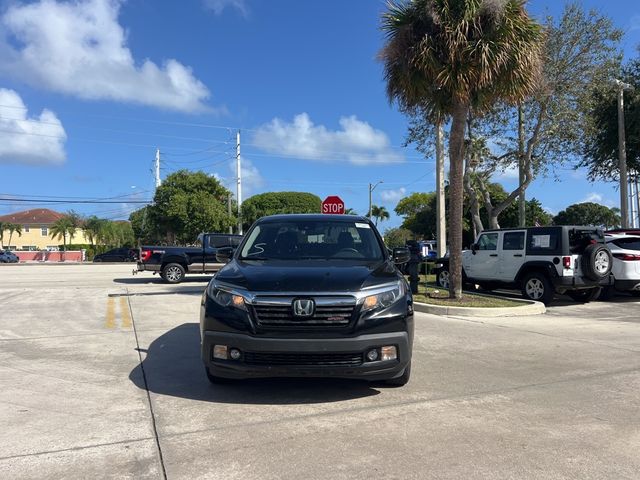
(529, 308)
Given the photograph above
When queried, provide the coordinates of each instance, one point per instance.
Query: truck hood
(307, 276)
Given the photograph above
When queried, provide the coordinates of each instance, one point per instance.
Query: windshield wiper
(252, 257)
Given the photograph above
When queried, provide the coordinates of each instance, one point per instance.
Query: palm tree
(350, 211)
(13, 228)
(3, 227)
(76, 221)
(379, 213)
(61, 228)
(92, 227)
(448, 58)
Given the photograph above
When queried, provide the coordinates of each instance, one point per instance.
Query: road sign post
(333, 205)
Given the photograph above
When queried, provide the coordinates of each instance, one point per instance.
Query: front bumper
(627, 285)
(306, 348)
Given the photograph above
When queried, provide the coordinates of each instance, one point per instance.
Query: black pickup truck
(173, 263)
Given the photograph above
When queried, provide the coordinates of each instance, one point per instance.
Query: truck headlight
(384, 298)
(226, 297)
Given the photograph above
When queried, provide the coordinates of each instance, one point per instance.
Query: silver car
(8, 257)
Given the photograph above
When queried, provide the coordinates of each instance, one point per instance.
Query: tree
(13, 228)
(379, 213)
(581, 52)
(420, 213)
(61, 229)
(397, 237)
(272, 203)
(451, 57)
(588, 213)
(601, 148)
(185, 205)
(350, 211)
(92, 227)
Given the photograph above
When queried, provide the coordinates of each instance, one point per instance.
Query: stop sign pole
(333, 205)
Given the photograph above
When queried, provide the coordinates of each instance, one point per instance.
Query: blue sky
(95, 86)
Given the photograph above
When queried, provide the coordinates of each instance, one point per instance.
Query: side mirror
(400, 255)
(474, 248)
(224, 254)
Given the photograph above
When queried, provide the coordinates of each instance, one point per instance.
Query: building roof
(36, 216)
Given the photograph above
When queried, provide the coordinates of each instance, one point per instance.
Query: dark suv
(309, 295)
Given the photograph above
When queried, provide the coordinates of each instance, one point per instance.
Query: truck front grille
(303, 359)
(276, 312)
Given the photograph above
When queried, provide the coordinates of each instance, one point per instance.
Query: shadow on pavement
(173, 367)
(156, 279)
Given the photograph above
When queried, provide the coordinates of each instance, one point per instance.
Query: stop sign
(333, 204)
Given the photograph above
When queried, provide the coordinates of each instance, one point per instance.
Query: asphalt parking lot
(101, 378)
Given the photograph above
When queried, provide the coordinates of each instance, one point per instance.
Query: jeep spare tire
(596, 262)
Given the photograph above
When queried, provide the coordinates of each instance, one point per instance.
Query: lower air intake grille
(303, 359)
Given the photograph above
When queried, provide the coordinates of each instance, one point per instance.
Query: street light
(371, 188)
(622, 154)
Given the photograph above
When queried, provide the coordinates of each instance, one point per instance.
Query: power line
(38, 200)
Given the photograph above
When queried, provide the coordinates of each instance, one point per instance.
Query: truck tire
(215, 380)
(536, 286)
(585, 295)
(596, 262)
(402, 380)
(442, 277)
(172, 273)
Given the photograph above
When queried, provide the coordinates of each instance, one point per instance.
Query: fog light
(372, 355)
(389, 353)
(234, 353)
(220, 351)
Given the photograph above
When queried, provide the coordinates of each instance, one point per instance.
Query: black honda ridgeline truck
(309, 296)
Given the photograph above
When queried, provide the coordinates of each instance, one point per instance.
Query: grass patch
(429, 293)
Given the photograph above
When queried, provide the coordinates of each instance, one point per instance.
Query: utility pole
(371, 189)
(441, 226)
(239, 185)
(229, 210)
(158, 181)
(522, 218)
(622, 155)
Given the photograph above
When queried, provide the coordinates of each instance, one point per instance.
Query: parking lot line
(110, 321)
(125, 313)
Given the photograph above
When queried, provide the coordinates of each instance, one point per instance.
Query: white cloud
(251, 178)
(32, 140)
(79, 48)
(218, 6)
(393, 196)
(592, 197)
(356, 142)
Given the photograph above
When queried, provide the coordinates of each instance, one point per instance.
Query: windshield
(316, 239)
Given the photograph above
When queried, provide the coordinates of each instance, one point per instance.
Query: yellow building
(36, 230)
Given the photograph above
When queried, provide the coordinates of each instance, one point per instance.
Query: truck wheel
(537, 287)
(596, 262)
(586, 295)
(442, 278)
(172, 273)
(402, 379)
(214, 379)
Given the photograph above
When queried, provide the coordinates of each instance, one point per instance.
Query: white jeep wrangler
(540, 261)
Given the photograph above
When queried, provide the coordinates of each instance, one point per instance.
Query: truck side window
(488, 241)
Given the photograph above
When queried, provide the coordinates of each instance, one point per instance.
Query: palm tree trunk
(456, 187)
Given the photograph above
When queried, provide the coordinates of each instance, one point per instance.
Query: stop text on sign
(333, 205)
